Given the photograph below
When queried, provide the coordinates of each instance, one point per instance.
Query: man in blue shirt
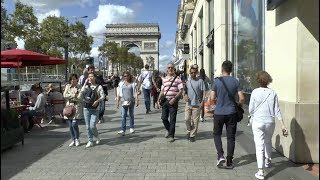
(225, 112)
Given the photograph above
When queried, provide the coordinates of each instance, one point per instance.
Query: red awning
(11, 64)
(22, 55)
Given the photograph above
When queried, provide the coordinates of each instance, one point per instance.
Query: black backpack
(90, 97)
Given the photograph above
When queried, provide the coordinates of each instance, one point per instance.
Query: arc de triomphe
(145, 36)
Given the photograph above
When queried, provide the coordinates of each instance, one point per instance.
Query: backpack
(90, 97)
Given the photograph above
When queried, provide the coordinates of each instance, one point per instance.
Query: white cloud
(135, 50)
(55, 12)
(20, 43)
(44, 6)
(167, 45)
(164, 60)
(109, 14)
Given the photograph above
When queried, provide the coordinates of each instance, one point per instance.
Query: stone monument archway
(145, 36)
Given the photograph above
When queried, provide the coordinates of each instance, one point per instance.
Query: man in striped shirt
(172, 94)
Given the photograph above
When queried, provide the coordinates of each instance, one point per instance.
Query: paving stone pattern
(146, 154)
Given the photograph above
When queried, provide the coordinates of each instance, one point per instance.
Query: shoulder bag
(195, 92)
(239, 109)
(163, 98)
(250, 117)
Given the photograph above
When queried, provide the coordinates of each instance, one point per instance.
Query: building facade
(278, 36)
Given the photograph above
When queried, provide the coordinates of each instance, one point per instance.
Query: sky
(102, 12)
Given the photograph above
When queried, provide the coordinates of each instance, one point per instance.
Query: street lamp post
(66, 49)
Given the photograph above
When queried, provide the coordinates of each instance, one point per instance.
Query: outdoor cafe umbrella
(16, 58)
(22, 55)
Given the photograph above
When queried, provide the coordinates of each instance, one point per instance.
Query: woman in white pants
(263, 108)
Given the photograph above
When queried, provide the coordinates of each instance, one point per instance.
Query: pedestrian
(115, 83)
(206, 80)
(72, 97)
(92, 94)
(263, 108)
(225, 112)
(129, 98)
(102, 109)
(83, 77)
(171, 90)
(36, 109)
(194, 96)
(55, 103)
(156, 89)
(145, 79)
(90, 69)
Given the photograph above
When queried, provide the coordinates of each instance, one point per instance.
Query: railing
(210, 39)
(29, 78)
(201, 48)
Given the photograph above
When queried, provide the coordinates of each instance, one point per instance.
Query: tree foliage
(21, 23)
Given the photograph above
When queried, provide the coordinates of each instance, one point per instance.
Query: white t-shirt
(146, 78)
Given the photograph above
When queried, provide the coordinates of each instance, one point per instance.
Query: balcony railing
(201, 48)
(210, 39)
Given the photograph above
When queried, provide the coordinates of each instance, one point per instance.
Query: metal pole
(66, 51)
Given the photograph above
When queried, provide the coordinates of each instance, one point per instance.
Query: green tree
(4, 19)
(110, 50)
(53, 31)
(79, 43)
(21, 23)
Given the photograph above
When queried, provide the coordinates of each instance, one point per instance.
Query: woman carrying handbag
(129, 98)
(73, 111)
(263, 108)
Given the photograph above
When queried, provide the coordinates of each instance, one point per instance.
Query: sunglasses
(170, 67)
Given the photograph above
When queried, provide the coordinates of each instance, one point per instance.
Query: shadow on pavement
(35, 147)
(131, 138)
(106, 130)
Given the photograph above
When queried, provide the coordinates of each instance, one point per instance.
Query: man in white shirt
(146, 80)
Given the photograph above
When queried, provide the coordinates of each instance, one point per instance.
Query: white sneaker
(98, 140)
(267, 162)
(72, 144)
(121, 132)
(220, 162)
(77, 142)
(131, 130)
(259, 174)
(89, 144)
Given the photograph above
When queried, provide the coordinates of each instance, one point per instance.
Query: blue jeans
(74, 129)
(90, 118)
(102, 109)
(124, 111)
(146, 95)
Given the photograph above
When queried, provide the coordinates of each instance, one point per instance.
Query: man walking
(194, 94)
(146, 80)
(172, 90)
(225, 112)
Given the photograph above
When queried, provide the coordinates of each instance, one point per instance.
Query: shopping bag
(209, 107)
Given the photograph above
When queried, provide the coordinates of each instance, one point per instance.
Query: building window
(248, 38)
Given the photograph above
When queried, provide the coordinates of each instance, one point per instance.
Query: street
(146, 154)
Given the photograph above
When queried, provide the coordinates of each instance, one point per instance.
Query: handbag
(69, 111)
(250, 117)
(163, 98)
(239, 109)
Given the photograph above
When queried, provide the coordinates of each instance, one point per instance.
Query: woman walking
(156, 89)
(72, 97)
(129, 97)
(263, 108)
(206, 81)
(93, 95)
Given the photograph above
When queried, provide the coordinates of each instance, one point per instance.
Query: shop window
(248, 37)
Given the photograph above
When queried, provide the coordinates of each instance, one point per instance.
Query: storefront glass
(248, 35)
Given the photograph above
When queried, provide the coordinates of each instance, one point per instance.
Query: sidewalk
(146, 154)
